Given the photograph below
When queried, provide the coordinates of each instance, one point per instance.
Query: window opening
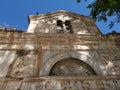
(59, 26)
(68, 26)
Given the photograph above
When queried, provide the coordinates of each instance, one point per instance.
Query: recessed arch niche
(71, 67)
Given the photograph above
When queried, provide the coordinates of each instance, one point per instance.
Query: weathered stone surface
(24, 67)
(70, 67)
(66, 47)
(9, 84)
(62, 83)
(80, 24)
(6, 59)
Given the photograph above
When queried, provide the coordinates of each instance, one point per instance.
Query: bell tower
(62, 22)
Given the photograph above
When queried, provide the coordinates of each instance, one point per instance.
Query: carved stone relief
(24, 66)
(111, 62)
(68, 67)
(71, 84)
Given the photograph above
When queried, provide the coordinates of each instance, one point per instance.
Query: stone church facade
(60, 51)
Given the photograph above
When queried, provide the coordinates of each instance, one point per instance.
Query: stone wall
(29, 54)
(45, 59)
(61, 83)
(47, 23)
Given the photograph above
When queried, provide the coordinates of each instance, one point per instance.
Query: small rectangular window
(59, 26)
(68, 26)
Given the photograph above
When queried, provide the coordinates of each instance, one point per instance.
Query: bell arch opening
(71, 67)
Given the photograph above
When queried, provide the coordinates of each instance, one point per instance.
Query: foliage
(101, 10)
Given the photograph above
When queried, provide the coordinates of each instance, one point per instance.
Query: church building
(60, 51)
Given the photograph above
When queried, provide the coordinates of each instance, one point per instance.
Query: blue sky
(14, 13)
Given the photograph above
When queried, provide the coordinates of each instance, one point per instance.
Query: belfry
(60, 51)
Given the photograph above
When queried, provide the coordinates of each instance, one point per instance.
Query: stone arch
(71, 67)
(45, 68)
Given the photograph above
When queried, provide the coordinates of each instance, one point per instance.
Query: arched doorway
(71, 67)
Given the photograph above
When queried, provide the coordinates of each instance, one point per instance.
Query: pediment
(47, 23)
